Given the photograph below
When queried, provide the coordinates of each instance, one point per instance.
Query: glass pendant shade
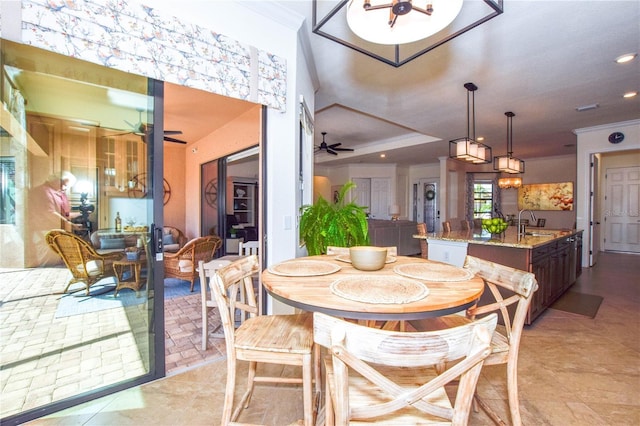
(402, 21)
(508, 163)
(510, 182)
(467, 148)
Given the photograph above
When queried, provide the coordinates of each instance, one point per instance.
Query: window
(482, 199)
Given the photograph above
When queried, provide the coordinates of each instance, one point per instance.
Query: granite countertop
(539, 237)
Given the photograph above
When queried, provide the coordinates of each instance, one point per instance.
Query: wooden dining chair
(379, 376)
(275, 339)
(422, 230)
(507, 286)
(207, 301)
(248, 248)
(446, 226)
(465, 225)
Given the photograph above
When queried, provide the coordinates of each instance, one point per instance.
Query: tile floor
(573, 370)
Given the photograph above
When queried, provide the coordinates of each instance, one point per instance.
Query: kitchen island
(554, 256)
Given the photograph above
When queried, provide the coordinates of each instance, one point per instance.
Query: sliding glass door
(80, 162)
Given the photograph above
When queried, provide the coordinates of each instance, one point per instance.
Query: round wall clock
(616, 137)
(138, 188)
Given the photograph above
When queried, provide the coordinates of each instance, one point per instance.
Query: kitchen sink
(540, 234)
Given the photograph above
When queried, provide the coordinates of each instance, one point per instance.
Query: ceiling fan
(142, 129)
(331, 149)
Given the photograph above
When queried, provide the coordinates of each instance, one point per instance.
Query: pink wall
(182, 167)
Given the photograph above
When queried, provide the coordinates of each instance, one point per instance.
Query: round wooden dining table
(407, 288)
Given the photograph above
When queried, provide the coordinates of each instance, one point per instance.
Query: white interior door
(380, 198)
(622, 209)
(362, 192)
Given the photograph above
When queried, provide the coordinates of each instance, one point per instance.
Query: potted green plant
(338, 223)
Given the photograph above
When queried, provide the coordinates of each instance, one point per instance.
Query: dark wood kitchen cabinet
(554, 263)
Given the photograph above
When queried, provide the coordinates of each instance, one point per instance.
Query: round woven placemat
(379, 290)
(304, 268)
(433, 272)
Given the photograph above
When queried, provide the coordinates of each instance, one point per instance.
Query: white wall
(593, 140)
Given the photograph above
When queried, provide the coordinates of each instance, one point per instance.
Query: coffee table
(134, 267)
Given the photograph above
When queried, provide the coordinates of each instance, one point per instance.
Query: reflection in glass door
(76, 257)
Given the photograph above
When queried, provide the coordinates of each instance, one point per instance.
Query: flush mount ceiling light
(468, 149)
(627, 57)
(400, 21)
(398, 31)
(508, 163)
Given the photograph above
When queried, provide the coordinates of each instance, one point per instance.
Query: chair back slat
(370, 351)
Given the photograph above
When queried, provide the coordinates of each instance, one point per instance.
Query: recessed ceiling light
(587, 107)
(383, 155)
(626, 58)
(480, 138)
(630, 94)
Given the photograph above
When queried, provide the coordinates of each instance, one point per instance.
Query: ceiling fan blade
(169, 139)
(333, 145)
(343, 149)
(173, 132)
(332, 152)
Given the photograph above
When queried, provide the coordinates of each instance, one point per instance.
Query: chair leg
(205, 323)
(329, 418)
(250, 382)
(193, 282)
(228, 393)
(307, 394)
(512, 390)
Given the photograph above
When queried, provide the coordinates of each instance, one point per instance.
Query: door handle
(157, 235)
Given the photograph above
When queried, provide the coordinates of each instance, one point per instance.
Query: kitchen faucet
(521, 230)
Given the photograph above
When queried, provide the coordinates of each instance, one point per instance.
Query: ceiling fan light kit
(508, 163)
(398, 31)
(468, 149)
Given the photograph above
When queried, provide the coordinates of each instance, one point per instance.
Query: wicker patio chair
(81, 259)
(183, 264)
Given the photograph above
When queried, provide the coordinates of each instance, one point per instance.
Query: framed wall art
(546, 196)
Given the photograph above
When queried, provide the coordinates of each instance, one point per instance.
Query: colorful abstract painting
(546, 196)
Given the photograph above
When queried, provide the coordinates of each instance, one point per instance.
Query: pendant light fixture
(400, 21)
(467, 149)
(508, 163)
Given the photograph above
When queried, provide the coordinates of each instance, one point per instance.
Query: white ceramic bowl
(368, 258)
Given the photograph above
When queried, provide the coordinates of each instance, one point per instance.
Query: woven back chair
(507, 286)
(273, 339)
(80, 258)
(380, 376)
(183, 264)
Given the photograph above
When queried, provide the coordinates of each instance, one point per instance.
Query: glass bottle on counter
(118, 222)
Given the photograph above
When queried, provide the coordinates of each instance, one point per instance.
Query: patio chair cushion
(185, 265)
(167, 239)
(94, 267)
